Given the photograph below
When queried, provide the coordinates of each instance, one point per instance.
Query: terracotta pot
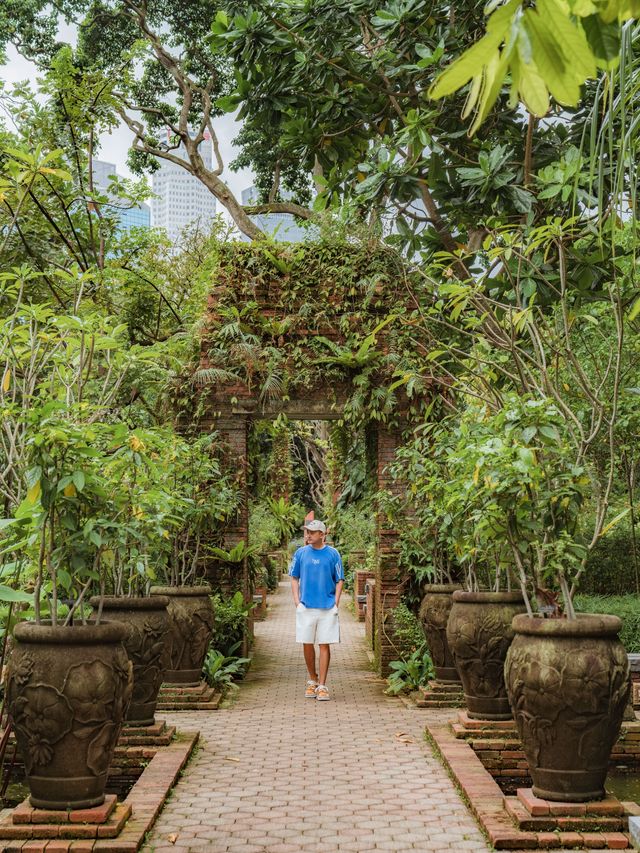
(147, 624)
(568, 682)
(434, 614)
(479, 633)
(68, 691)
(190, 628)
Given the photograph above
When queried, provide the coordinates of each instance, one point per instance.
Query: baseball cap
(315, 525)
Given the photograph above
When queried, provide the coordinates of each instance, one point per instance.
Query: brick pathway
(282, 774)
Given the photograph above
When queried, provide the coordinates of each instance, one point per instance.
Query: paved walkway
(282, 774)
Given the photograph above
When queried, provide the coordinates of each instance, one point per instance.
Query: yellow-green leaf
(464, 68)
(635, 310)
(572, 39)
(6, 381)
(552, 65)
(34, 493)
(533, 90)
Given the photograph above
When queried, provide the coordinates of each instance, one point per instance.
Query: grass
(627, 607)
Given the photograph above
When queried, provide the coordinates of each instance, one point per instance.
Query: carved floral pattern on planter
(190, 633)
(90, 708)
(146, 645)
(434, 614)
(568, 701)
(479, 650)
(44, 715)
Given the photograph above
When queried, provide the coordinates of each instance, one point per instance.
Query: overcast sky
(114, 146)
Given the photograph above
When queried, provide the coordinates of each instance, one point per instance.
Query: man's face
(314, 537)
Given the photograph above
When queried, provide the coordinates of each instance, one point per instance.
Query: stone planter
(568, 683)
(68, 691)
(190, 629)
(147, 623)
(479, 633)
(434, 615)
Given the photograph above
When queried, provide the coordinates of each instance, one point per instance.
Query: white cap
(315, 525)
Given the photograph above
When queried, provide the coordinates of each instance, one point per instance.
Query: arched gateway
(313, 332)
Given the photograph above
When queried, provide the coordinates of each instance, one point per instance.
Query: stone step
(527, 822)
(476, 734)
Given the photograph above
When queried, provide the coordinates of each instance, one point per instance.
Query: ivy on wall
(293, 320)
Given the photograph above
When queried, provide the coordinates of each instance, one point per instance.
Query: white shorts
(316, 625)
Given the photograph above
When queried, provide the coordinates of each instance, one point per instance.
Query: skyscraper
(180, 199)
(129, 217)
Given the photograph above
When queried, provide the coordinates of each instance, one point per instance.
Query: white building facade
(180, 199)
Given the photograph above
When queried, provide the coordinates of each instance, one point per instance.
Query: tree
(333, 90)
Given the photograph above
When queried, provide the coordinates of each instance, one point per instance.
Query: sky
(114, 146)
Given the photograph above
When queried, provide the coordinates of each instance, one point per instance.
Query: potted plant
(136, 541)
(69, 679)
(206, 499)
(566, 675)
(468, 602)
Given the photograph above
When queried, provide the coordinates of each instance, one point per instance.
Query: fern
(214, 376)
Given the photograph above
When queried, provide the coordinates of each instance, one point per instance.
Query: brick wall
(388, 580)
(370, 613)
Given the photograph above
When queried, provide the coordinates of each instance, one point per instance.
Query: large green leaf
(9, 594)
(466, 66)
(532, 88)
(553, 66)
(604, 41)
(571, 37)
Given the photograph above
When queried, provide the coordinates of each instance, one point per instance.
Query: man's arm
(339, 586)
(295, 590)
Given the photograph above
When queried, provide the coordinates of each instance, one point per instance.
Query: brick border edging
(146, 798)
(486, 800)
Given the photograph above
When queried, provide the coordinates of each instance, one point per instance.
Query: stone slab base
(439, 694)
(489, 805)
(531, 813)
(177, 698)
(465, 726)
(159, 734)
(88, 830)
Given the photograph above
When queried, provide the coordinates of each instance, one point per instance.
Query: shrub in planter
(69, 681)
(517, 492)
(206, 498)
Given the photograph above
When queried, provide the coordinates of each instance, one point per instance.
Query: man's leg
(310, 659)
(325, 659)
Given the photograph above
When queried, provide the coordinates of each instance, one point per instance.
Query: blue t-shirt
(319, 570)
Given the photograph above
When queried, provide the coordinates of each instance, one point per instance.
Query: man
(317, 578)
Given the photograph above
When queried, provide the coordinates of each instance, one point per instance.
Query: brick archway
(234, 424)
(230, 406)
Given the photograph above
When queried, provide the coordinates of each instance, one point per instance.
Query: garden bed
(143, 805)
(506, 819)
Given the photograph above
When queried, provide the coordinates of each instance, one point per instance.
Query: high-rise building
(181, 199)
(138, 216)
(281, 226)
